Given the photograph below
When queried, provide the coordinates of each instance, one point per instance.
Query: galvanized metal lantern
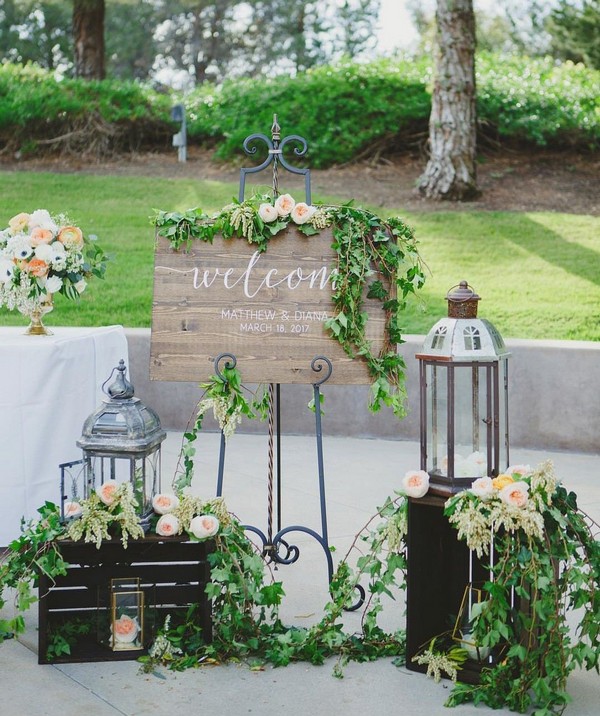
(464, 396)
(121, 441)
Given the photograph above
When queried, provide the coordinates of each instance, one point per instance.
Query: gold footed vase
(36, 326)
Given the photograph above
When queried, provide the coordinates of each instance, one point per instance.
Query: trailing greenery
(345, 111)
(376, 259)
(546, 561)
(245, 606)
(34, 551)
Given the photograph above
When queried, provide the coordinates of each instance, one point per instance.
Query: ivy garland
(376, 259)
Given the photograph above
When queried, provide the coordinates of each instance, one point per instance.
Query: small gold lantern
(126, 615)
(472, 603)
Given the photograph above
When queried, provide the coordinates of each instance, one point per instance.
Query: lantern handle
(121, 388)
(464, 286)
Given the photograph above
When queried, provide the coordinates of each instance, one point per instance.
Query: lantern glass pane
(127, 620)
(471, 420)
(437, 417)
(503, 451)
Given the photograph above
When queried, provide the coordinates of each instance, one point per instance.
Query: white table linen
(48, 387)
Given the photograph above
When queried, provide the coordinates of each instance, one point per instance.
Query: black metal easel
(275, 547)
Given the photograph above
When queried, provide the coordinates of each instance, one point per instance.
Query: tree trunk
(451, 170)
(88, 39)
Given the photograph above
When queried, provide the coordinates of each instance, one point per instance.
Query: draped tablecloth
(48, 387)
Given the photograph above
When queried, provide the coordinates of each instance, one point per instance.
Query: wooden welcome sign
(268, 309)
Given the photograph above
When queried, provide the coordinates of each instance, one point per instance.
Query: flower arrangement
(42, 255)
(544, 560)
(514, 500)
(198, 518)
(111, 504)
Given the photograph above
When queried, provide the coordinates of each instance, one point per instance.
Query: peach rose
(163, 503)
(267, 213)
(125, 629)
(501, 481)
(416, 483)
(106, 492)
(515, 494)
(167, 525)
(18, 223)
(204, 526)
(71, 236)
(284, 204)
(40, 236)
(36, 267)
(302, 212)
(73, 509)
(483, 487)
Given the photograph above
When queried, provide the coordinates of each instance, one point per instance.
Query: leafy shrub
(352, 109)
(36, 109)
(540, 101)
(342, 111)
(345, 112)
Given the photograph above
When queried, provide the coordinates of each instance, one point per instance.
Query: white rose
(284, 204)
(42, 218)
(520, 470)
(44, 252)
(7, 269)
(53, 284)
(80, 286)
(167, 525)
(302, 212)
(204, 526)
(163, 503)
(483, 487)
(515, 494)
(416, 483)
(267, 213)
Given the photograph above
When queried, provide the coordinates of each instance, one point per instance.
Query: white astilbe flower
(543, 484)
(162, 649)
(473, 525)
(228, 419)
(436, 664)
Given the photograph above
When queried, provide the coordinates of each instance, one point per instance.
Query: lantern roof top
(464, 339)
(122, 424)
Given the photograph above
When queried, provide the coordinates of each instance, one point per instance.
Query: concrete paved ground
(359, 475)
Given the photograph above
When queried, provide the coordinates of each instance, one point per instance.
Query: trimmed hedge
(345, 112)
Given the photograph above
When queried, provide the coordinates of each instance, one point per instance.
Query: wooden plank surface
(269, 310)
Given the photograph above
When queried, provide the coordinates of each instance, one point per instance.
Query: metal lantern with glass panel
(464, 390)
(121, 441)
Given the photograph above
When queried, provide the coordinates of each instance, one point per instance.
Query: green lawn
(537, 273)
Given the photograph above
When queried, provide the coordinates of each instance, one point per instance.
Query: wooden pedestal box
(172, 575)
(437, 574)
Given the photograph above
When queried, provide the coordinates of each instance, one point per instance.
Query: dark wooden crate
(173, 574)
(437, 574)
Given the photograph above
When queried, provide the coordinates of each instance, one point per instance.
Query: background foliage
(350, 110)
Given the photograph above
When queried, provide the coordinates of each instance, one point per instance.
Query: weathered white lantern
(464, 396)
